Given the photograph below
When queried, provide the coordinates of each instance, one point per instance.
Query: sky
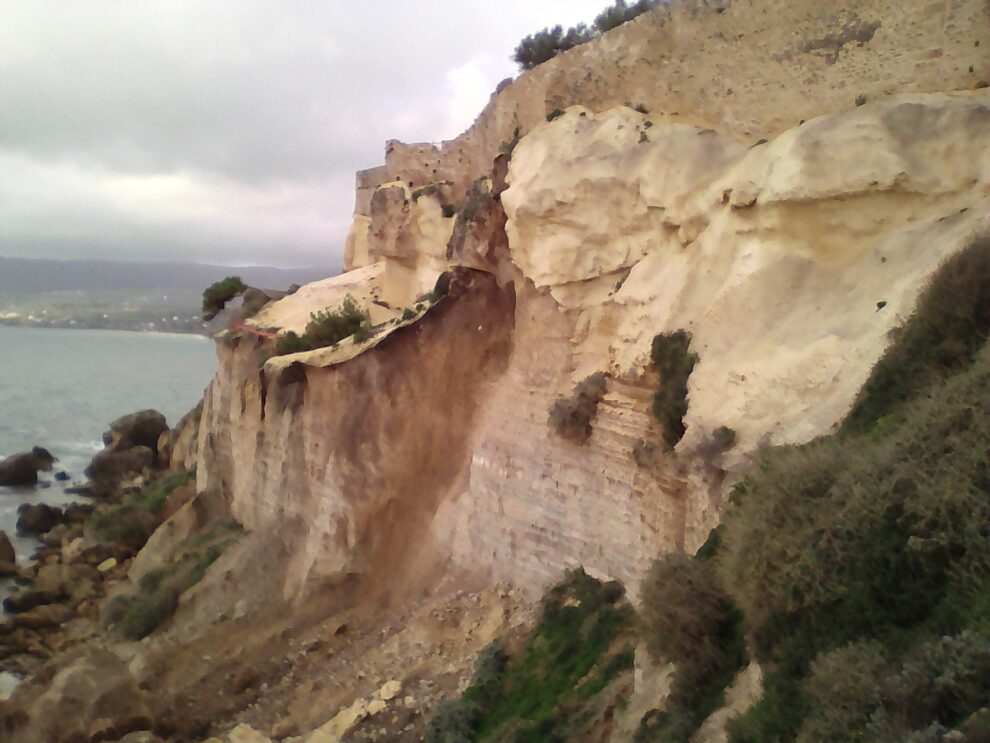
(229, 131)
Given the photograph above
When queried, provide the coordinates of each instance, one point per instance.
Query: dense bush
(862, 560)
(951, 323)
(327, 328)
(674, 363)
(571, 417)
(544, 45)
(688, 619)
(217, 295)
(620, 12)
(857, 693)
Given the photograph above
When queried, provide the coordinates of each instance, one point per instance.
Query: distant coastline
(137, 327)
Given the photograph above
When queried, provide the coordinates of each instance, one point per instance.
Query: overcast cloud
(229, 132)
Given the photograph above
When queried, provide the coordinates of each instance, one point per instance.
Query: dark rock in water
(77, 513)
(7, 553)
(137, 429)
(26, 600)
(62, 476)
(37, 518)
(112, 466)
(23, 468)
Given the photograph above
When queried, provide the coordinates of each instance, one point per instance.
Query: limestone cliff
(789, 262)
(789, 182)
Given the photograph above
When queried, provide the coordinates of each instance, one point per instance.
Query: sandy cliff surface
(406, 495)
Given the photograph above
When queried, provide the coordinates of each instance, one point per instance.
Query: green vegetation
(571, 417)
(555, 114)
(408, 314)
(159, 590)
(508, 146)
(860, 561)
(217, 295)
(448, 210)
(949, 327)
(476, 196)
(688, 619)
(582, 642)
(135, 518)
(440, 288)
(327, 328)
(544, 45)
(674, 363)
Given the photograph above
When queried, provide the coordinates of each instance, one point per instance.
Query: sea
(60, 389)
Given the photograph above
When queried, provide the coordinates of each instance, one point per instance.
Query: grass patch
(674, 363)
(136, 517)
(555, 114)
(582, 641)
(159, 590)
(327, 328)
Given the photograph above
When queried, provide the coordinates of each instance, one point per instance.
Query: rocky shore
(54, 631)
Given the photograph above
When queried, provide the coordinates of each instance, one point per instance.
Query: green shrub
(544, 45)
(687, 618)
(216, 296)
(674, 363)
(949, 326)
(878, 535)
(290, 342)
(327, 328)
(555, 114)
(452, 722)
(620, 12)
(147, 611)
(507, 147)
(448, 210)
(571, 417)
(407, 314)
(844, 689)
(440, 288)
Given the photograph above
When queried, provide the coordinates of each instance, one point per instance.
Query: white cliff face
(789, 262)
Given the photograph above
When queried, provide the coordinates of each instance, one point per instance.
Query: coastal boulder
(37, 518)
(23, 468)
(7, 553)
(92, 696)
(113, 466)
(137, 429)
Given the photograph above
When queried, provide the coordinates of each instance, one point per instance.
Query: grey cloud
(241, 101)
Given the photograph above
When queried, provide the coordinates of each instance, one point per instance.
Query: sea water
(61, 388)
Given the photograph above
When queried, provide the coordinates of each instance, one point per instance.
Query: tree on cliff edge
(544, 45)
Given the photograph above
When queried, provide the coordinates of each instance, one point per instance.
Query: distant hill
(23, 276)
